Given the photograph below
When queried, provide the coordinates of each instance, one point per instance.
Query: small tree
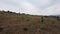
(42, 19)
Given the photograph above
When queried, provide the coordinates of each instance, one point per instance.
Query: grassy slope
(12, 23)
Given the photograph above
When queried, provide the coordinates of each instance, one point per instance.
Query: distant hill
(16, 23)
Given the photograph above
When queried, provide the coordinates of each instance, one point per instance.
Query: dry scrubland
(15, 23)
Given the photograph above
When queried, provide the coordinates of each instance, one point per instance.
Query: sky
(34, 7)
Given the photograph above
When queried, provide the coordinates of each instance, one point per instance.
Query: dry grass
(13, 23)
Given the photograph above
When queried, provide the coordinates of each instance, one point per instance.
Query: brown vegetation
(15, 23)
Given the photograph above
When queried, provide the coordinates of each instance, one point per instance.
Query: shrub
(25, 29)
(57, 17)
(45, 16)
(9, 12)
(1, 29)
(41, 19)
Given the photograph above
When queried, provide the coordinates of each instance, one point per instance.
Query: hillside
(15, 23)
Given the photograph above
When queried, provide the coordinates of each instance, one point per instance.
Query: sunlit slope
(15, 23)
